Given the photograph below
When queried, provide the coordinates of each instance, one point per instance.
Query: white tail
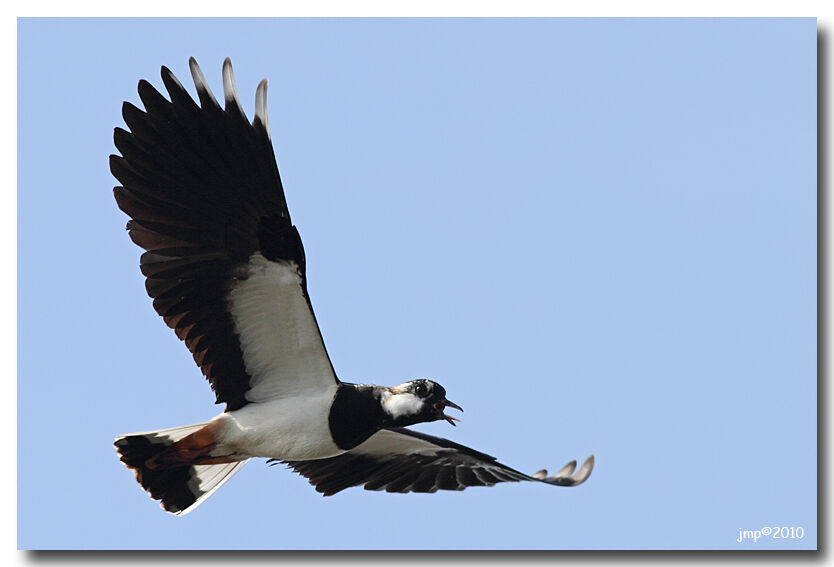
(180, 487)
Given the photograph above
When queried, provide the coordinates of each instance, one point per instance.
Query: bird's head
(417, 401)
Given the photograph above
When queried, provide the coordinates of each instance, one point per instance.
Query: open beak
(443, 405)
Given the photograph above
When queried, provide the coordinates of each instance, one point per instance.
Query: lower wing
(402, 460)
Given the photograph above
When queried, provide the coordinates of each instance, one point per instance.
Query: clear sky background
(598, 235)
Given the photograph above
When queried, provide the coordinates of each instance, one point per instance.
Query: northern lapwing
(225, 267)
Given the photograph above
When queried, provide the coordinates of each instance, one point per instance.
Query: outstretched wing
(402, 460)
(224, 264)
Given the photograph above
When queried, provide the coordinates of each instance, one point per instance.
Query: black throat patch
(355, 415)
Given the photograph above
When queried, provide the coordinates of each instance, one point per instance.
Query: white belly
(285, 428)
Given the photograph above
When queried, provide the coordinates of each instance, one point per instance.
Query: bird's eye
(421, 390)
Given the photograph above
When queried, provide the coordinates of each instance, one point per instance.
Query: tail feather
(180, 486)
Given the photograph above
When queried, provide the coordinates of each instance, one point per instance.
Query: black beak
(452, 405)
(443, 405)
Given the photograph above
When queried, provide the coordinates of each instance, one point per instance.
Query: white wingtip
(567, 470)
(584, 471)
(229, 86)
(566, 476)
(200, 79)
(260, 104)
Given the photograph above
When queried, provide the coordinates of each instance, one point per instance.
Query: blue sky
(598, 235)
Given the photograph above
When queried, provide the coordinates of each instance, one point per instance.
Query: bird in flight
(225, 267)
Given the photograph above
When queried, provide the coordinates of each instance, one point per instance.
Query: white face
(402, 404)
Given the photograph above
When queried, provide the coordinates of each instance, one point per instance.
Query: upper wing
(224, 264)
(402, 460)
